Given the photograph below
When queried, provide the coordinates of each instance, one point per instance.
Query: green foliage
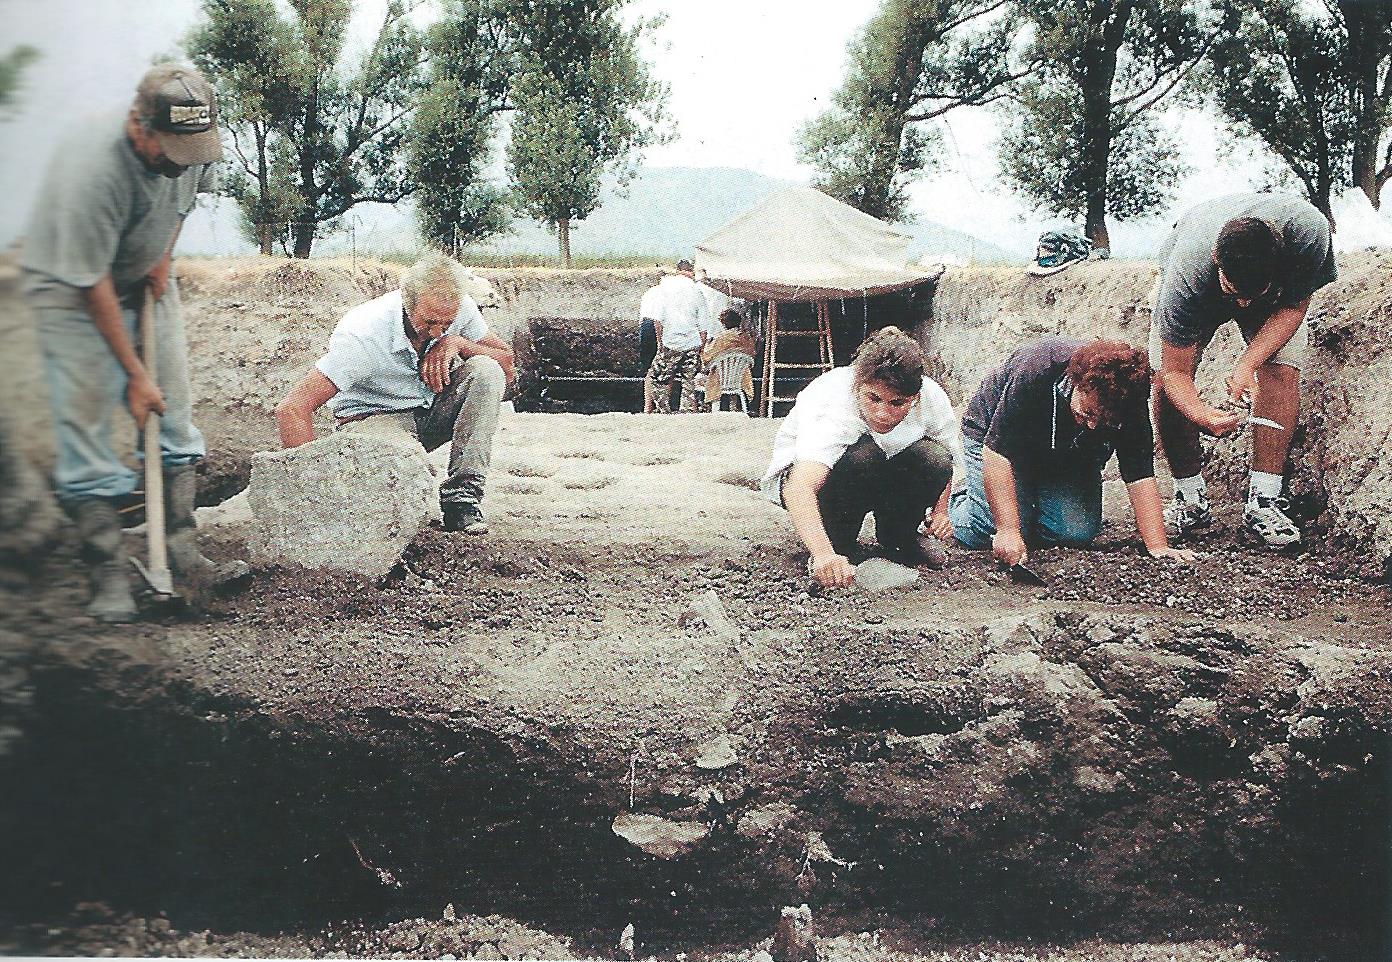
(913, 62)
(1040, 151)
(313, 135)
(12, 67)
(454, 125)
(1313, 85)
(585, 103)
(1083, 144)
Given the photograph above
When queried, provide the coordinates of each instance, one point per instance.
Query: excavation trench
(1136, 750)
(1052, 774)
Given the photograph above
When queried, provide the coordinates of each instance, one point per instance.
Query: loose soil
(1185, 762)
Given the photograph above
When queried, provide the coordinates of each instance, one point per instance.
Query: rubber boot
(99, 528)
(190, 568)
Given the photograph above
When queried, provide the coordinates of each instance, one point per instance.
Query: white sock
(1264, 485)
(1193, 488)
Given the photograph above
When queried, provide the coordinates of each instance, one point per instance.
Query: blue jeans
(1053, 511)
(86, 384)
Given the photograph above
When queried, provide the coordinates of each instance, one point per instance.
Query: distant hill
(664, 212)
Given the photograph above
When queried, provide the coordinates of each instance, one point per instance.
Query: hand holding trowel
(1240, 391)
(1009, 549)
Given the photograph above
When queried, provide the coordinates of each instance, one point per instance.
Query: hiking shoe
(1267, 519)
(466, 517)
(1183, 516)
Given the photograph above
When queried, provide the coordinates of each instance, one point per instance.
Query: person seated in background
(875, 436)
(732, 340)
(417, 363)
(1035, 439)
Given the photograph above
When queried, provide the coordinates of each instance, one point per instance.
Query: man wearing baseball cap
(100, 237)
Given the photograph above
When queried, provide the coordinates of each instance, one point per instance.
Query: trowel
(1026, 576)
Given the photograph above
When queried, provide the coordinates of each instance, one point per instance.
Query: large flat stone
(346, 502)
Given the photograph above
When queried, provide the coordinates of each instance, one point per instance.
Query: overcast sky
(744, 75)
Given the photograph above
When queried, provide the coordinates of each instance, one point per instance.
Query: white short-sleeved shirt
(715, 302)
(372, 363)
(826, 420)
(682, 313)
(650, 307)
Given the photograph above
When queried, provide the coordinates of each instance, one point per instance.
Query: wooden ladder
(772, 365)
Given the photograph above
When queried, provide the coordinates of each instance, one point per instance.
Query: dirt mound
(340, 282)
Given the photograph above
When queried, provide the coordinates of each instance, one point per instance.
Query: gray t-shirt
(100, 210)
(1190, 304)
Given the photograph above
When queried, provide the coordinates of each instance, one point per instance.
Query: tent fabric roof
(801, 245)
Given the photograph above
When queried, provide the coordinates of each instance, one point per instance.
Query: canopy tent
(800, 245)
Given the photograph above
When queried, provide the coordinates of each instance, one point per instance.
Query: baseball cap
(182, 109)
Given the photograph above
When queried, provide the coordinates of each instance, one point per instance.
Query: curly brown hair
(1116, 373)
(892, 358)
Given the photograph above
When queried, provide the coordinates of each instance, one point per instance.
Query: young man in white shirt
(876, 436)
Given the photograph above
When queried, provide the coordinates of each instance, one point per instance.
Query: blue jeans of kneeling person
(898, 490)
(1063, 510)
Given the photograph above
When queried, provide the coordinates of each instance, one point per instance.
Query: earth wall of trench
(1339, 478)
(580, 726)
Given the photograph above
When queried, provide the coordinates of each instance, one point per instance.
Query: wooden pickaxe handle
(157, 574)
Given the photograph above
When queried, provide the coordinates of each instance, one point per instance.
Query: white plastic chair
(730, 368)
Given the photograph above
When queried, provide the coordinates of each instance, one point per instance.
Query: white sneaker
(1267, 519)
(1183, 516)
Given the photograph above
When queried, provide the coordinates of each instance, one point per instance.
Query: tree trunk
(1099, 72)
(306, 222)
(304, 236)
(1368, 32)
(1365, 172)
(1097, 152)
(563, 233)
(265, 231)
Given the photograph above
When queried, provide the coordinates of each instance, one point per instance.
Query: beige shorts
(1291, 354)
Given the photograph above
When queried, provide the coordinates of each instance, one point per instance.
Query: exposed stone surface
(659, 836)
(346, 502)
(716, 754)
(879, 574)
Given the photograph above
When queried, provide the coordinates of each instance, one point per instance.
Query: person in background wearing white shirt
(717, 302)
(876, 436)
(680, 335)
(648, 309)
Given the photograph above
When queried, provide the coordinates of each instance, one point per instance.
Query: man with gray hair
(418, 363)
(99, 241)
